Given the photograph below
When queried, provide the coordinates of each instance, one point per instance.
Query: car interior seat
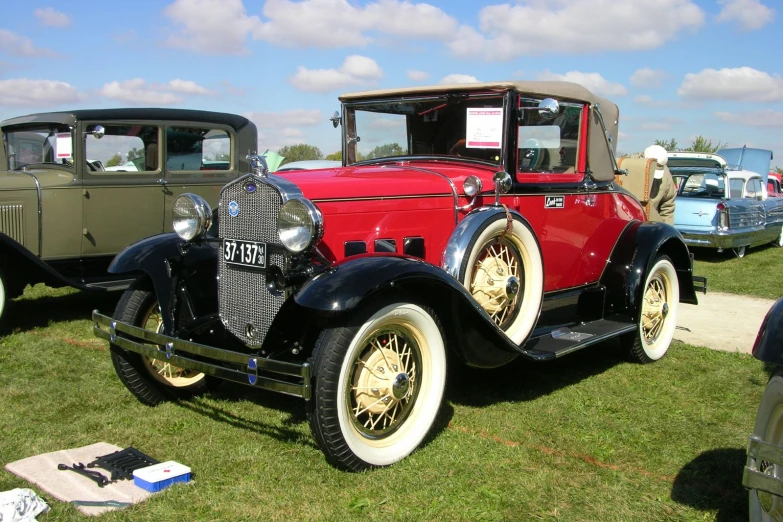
(151, 157)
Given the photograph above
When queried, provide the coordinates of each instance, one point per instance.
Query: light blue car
(722, 199)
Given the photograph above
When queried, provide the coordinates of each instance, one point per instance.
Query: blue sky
(676, 68)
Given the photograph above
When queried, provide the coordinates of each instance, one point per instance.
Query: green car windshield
(50, 144)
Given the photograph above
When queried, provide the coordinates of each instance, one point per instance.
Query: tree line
(303, 151)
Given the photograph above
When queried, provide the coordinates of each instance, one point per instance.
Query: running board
(572, 338)
(110, 286)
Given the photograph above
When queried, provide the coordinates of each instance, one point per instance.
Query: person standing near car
(662, 189)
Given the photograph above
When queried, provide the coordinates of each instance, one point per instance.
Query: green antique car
(77, 187)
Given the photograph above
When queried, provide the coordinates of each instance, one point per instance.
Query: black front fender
(470, 332)
(165, 259)
(633, 256)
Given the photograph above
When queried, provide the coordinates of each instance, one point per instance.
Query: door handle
(161, 182)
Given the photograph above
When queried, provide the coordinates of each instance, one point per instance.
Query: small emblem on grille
(233, 209)
(250, 187)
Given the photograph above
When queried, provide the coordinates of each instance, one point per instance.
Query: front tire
(379, 381)
(769, 427)
(3, 295)
(658, 318)
(152, 381)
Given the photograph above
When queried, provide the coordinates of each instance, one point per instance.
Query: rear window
(702, 185)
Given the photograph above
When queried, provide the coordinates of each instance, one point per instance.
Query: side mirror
(548, 108)
(502, 181)
(97, 132)
(335, 119)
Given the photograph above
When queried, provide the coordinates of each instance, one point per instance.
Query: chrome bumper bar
(752, 477)
(259, 371)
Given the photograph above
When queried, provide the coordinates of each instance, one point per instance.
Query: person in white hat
(662, 189)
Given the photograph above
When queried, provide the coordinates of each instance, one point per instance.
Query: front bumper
(719, 238)
(752, 477)
(280, 376)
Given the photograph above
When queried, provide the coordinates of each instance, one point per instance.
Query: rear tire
(3, 296)
(378, 385)
(151, 381)
(658, 317)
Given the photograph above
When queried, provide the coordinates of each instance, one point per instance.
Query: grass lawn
(759, 273)
(588, 437)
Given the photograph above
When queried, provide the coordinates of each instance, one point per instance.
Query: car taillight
(723, 215)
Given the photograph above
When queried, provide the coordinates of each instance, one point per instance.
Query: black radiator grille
(246, 305)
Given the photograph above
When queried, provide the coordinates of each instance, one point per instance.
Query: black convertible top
(70, 117)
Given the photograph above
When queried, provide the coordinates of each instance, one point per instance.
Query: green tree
(668, 145)
(779, 170)
(135, 153)
(384, 151)
(702, 144)
(335, 156)
(300, 152)
(114, 161)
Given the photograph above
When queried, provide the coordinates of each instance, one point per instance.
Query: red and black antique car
(478, 223)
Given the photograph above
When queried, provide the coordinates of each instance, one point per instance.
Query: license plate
(244, 253)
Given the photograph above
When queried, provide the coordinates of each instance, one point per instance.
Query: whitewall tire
(504, 272)
(379, 381)
(763, 506)
(658, 319)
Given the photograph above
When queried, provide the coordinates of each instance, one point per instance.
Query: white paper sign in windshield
(484, 128)
(64, 145)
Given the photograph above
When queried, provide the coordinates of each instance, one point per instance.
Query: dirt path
(724, 322)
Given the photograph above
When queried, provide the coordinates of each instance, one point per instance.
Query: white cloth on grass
(21, 505)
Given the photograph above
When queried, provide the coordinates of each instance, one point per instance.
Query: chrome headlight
(472, 186)
(299, 225)
(192, 216)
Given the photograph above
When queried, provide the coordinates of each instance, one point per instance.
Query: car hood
(754, 160)
(383, 181)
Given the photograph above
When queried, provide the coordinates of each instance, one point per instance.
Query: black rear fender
(183, 275)
(633, 256)
(470, 333)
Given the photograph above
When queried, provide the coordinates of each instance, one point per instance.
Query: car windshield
(452, 125)
(50, 144)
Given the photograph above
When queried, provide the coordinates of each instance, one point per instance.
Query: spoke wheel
(379, 381)
(658, 317)
(503, 271)
(151, 381)
(498, 274)
(164, 371)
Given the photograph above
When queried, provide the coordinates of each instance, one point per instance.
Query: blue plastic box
(160, 476)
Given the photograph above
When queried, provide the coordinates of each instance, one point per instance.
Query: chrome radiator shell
(247, 307)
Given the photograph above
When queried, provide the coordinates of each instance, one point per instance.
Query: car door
(123, 201)
(200, 159)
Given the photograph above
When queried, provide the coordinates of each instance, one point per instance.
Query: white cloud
(763, 118)
(15, 45)
(749, 14)
(51, 18)
(356, 70)
(511, 30)
(37, 93)
(292, 118)
(458, 78)
(417, 76)
(186, 87)
(137, 92)
(648, 101)
(211, 26)
(646, 77)
(591, 81)
(655, 126)
(231, 89)
(339, 23)
(740, 84)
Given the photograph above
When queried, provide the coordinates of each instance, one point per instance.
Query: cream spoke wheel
(658, 314)
(495, 280)
(383, 383)
(164, 371)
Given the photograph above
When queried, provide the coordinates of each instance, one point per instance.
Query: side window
(735, 188)
(123, 148)
(51, 144)
(194, 148)
(548, 145)
(754, 188)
